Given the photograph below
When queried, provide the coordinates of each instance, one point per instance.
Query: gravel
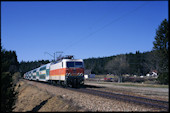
(89, 102)
(149, 92)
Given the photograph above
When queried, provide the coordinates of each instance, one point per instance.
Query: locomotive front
(74, 72)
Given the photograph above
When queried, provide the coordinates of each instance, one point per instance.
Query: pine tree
(161, 47)
(8, 95)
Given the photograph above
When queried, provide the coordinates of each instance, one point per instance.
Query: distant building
(88, 72)
(153, 73)
(86, 77)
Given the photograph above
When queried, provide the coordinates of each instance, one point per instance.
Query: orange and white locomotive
(66, 71)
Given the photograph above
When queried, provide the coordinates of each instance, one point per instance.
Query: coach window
(43, 68)
(62, 64)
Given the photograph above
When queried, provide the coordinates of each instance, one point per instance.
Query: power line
(50, 55)
(80, 40)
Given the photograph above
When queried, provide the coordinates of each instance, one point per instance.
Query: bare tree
(118, 66)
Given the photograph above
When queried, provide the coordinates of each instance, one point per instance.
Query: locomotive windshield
(74, 64)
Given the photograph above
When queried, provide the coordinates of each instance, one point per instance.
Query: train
(66, 72)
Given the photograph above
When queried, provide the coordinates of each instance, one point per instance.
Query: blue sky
(84, 29)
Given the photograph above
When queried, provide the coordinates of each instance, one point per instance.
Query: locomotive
(66, 72)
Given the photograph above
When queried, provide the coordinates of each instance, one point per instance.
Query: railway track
(159, 104)
(162, 105)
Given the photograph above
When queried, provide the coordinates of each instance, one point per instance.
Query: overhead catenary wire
(54, 56)
(106, 25)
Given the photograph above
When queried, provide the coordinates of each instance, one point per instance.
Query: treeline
(133, 64)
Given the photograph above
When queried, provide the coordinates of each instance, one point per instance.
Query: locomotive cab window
(74, 64)
(78, 64)
(70, 64)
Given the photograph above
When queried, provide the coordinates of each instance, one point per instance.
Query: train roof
(72, 60)
(67, 60)
(81, 60)
(45, 64)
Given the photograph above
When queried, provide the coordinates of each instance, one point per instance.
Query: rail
(128, 98)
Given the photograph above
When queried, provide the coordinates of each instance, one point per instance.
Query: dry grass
(30, 98)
